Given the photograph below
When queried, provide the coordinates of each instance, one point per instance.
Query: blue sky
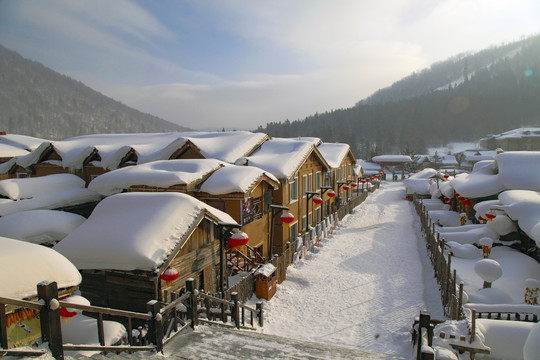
(240, 64)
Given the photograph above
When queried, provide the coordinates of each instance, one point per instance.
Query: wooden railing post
(460, 301)
(51, 329)
(156, 324)
(235, 309)
(192, 309)
(3, 327)
(259, 307)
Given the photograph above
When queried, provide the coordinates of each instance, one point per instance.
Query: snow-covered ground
(366, 284)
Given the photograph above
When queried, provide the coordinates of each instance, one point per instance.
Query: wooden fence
(163, 321)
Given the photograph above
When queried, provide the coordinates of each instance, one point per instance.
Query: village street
(365, 286)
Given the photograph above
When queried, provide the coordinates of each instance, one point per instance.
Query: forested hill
(37, 101)
(462, 99)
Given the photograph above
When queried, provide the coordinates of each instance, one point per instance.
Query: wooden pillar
(192, 309)
(51, 329)
(156, 324)
(235, 309)
(259, 307)
(3, 327)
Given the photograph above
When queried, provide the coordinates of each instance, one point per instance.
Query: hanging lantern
(408, 197)
(490, 216)
(353, 185)
(446, 176)
(169, 276)
(346, 187)
(317, 200)
(466, 202)
(481, 218)
(446, 199)
(66, 315)
(287, 218)
(239, 238)
(363, 181)
(457, 195)
(331, 193)
(460, 198)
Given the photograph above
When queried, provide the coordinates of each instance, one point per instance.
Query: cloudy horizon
(214, 64)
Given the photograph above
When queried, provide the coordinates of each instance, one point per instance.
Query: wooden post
(259, 307)
(473, 325)
(424, 322)
(101, 333)
(174, 296)
(192, 309)
(235, 309)
(130, 331)
(156, 324)
(51, 329)
(3, 327)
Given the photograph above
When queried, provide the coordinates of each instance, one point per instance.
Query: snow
(281, 157)
(392, 158)
(520, 170)
(24, 265)
(266, 270)
(7, 151)
(163, 174)
(364, 286)
(505, 338)
(134, 230)
(489, 270)
(30, 187)
(234, 179)
(334, 153)
(368, 168)
(39, 226)
(28, 143)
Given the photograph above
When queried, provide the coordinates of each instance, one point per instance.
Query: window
(310, 182)
(22, 175)
(318, 178)
(338, 174)
(293, 190)
(318, 215)
(293, 232)
(304, 185)
(304, 222)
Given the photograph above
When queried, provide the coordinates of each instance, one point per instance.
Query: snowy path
(365, 286)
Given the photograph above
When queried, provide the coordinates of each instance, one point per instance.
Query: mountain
(461, 99)
(39, 102)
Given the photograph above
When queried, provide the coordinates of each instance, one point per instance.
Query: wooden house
(300, 169)
(131, 239)
(244, 194)
(342, 161)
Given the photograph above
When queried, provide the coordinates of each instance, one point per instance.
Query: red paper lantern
(353, 185)
(317, 200)
(346, 188)
(457, 195)
(66, 315)
(481, 218)
(408, 197)
(363, 181)
(460, 198)
(331, 193)
(239, 238)
(446, 199)
(287, 218)
(467, 202)
(169, 276)
(490, 216)
(446, 176)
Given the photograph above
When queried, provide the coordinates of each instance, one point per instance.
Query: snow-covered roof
(520, 169)
(24, 265)
(516, 133)
(523, 206)
(26, 188)
(39, 226)
(473, 155)
(334, 153)
(27, 143)
(481, 182)
(131, 231)
(281, 157)
(163, 174)
(9, 151)
(392, 158)
(235, 179)
(112, 148)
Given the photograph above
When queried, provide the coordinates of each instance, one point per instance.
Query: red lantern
(287, 218)
(467, 202)
(169, 276)
(446, 176)
(481, 218)
(239, 238)
(363, 181)
(457, 195)
(446, 199)
(490, 216)
(460, 198)
(346, 188)
(353, 185)
(408, 197)
(317, 200)
(331, 193)
(66, 315)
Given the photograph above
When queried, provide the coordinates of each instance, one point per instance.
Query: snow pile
(419, 182)
(406, 159)
(24, 265)
(27, 188)
(234, 179)
(135, 230)
(367, 168)
(39, 226)
(481, 182)
(523, 206)
(281, 157)
(334, 153)
(162, 174)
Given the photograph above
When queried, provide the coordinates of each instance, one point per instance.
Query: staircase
(244, 259)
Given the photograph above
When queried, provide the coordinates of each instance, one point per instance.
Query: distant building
(513, 140)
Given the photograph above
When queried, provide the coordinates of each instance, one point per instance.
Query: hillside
(37, 101)
(462, 99)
